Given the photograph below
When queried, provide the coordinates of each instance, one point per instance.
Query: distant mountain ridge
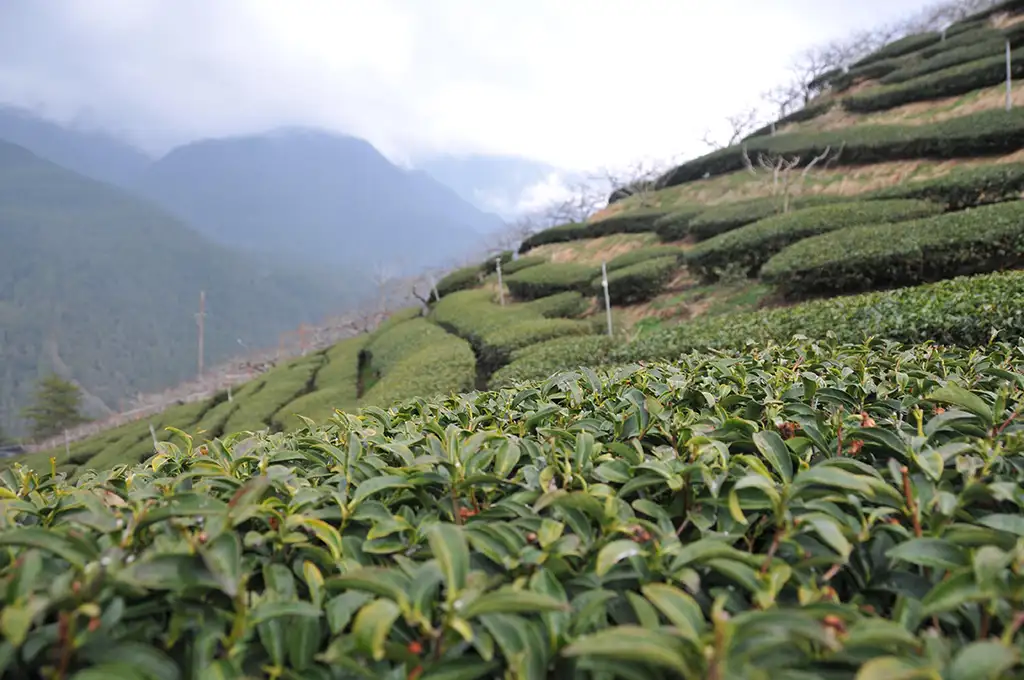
(88, 152)
(103, 250)
(327, 197)
(103, 286)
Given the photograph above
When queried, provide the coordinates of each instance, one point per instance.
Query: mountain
(87, 152)
(493, 183)
(328, 198)
(103, 287)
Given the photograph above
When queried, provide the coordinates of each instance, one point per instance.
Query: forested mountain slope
(107, 285)
(327, 198)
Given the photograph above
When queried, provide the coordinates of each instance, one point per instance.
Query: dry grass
(916, 113)
(594, 250)
(843, 181)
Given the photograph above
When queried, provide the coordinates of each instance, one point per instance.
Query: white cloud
(577, 83)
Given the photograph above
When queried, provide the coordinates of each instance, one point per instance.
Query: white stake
(501, 286)
(67, 445)
(152, 433)
(607, 297)
(230, 399)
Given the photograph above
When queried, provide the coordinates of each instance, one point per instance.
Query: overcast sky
(577, 83)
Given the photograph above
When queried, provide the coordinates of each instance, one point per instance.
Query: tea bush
(638, 282)
(495, 331)
(632, 222)
(751, 246)
(675, 226)
(438, 364)
(803, 511)
(876, 69)
(901, 47)
(546, 358)
(557, 234)
(522, 263)
(965, 311)
(392, 346)
(963, 187)
(341, 368)
(881, 256)
(949, 82)
(978, 134)
(550, 278)
(280, 386)
(728, 216)
(809, 112)
(335, 386)
(489, 265)
(969, 52)
(639, 255)
(559, 306)
(460, 279)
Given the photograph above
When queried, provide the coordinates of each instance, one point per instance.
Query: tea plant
(811, 510)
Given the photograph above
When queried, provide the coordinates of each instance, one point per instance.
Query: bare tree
(778, 170)
(584, 200)
(739, 125)
(637, 180)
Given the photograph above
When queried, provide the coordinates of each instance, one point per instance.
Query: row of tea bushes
(967, 311)
(811, 510)
(495, 332)
(749, 247)
(985, 133)
(982, 239)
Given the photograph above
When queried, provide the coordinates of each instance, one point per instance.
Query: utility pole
(200, 322)
(501, 287)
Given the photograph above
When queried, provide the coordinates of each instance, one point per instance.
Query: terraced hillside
(921, 172)
(797, 455)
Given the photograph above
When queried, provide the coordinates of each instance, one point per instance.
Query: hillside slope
(107, 285)
(327, 198)
(912, 227)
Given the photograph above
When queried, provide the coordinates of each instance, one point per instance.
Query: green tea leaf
(450, 549)
(268, 611)
(223, 557)
(983, 660)
(511, 601)
(372, 626)
(461, 670)
(635, 645)
(678, 607)
(1013, 524)
(929, 552)
(774, 450)
(375, 485)
(958, 396)
(615, 552)
(48, 541)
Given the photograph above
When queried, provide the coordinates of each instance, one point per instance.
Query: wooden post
(607, 297)
(501, 286)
